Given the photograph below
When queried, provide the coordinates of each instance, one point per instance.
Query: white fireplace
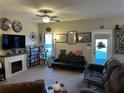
(15, 65)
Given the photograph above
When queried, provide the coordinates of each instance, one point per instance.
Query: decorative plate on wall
(17, 26)
(5, 24)
(32, 36)
(48, 29)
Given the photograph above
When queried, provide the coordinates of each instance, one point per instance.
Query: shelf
(33, 56)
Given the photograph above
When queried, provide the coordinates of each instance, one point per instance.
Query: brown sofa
(104, 79)
(24, 87)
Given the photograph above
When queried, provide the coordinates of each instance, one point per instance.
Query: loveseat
(70, 61)
(24, 87)
(104, 79)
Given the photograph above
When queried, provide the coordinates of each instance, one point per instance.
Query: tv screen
(13, 41)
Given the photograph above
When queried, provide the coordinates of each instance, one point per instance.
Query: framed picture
(83, 37)
(71, 37)
(61, 38)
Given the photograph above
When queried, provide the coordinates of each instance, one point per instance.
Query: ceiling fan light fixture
(46, 19)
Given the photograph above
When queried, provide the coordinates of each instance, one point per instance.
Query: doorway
(101, 46)
(48, 45)
(101, 51)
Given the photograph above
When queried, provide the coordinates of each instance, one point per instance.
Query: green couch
(70, 61)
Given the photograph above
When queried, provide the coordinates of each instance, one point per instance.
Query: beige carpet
(71, 79)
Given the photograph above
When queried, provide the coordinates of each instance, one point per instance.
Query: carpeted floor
(71, 79)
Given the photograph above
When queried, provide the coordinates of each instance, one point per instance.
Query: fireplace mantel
(7, 61)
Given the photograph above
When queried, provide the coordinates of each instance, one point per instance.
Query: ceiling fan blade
(36, 19)
(39, 15)
(52, 17)
(56, 20)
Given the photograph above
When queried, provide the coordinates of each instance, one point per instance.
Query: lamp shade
(46, 19)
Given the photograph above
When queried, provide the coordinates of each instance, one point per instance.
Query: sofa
(24, 87)
(70, 61)
(104, 79)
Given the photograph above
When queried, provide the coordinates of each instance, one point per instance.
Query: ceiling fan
(45, 17)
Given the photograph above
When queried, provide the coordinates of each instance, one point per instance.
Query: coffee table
(50, 88)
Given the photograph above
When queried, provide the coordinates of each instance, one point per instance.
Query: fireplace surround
(14, 64)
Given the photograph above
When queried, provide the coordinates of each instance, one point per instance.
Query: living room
(93, 17)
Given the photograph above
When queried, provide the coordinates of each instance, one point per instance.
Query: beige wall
(28, 27)
(82, 26)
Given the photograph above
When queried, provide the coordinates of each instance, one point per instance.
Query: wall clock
(5, 24)
(17, 26)
(32, 36)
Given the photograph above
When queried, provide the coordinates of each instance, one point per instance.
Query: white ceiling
(66, 9)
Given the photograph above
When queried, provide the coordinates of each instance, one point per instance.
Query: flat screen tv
(13, 41)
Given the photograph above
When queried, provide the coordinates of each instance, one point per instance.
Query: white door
(101, 46)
